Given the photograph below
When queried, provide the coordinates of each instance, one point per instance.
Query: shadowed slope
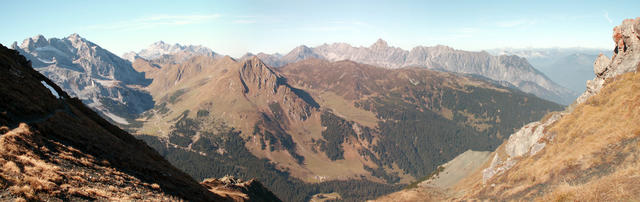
(54, 147)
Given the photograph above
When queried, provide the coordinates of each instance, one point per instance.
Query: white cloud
(515, 23)
(606, 16)
(244, 21)
(254, 19)
(349, 22)
(154, 21)
(337, 25)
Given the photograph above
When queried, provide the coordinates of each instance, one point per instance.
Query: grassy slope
(593, 157)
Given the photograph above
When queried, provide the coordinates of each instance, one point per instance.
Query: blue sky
(237, 27)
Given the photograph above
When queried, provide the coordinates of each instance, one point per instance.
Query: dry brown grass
(27, 174)
(623, 185)
(593, 157)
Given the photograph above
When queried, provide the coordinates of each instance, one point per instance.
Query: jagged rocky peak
(160, 49)
(255, 72)
(625, 58)
(75, 37)
(512, 70)
(301, 52)
(527, 140)
(85, 70)
(379, 44)
(34, 41)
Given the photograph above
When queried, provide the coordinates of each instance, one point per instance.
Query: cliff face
(53, 147)
(102, 80)
(626, 58)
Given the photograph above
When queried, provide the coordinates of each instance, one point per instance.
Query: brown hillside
(592, 152)
(58, 149)
(285, 114)
(589, 152)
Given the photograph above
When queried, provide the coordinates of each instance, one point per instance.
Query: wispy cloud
(253, 19)
(348, 22)
(606, 16)
(515, 23)
(155, 21)
(465, 32)
(337, 25)
(244, 21)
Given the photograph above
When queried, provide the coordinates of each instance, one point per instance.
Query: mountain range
(333, 120)
(54, 148)
(309, 125)
(102, 80)
(569, 67)
(177, 53)
(321, 125)
(587, 152)
(513, 70)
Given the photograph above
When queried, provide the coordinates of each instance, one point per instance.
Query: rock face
(176, 52)
(102, 80)
(239, 190)
(572, 155)
(256, 75)
(529, 139)
(625, 58)
(55, 148)
(512, 69)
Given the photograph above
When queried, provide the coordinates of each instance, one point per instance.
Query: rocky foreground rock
(589, 152)
(626, 58)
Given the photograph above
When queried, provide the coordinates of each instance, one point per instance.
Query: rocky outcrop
(533, 137)
(239, 190)
(625, 58)
(102, 80)
(260, 80)
(526, 141)
(512, 69)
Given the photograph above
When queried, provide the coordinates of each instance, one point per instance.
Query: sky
(237, 27)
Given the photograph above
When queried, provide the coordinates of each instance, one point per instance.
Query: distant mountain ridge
(102, 80)
(570, 67)
(512, 69)
(54, 148)
(588, 152)
(503, 68)
(161, 49)
(320, 125)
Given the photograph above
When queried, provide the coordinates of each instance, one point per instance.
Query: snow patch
(53, 91)
(46, 61)
(116, 118)
(107, 83)
(51, 48)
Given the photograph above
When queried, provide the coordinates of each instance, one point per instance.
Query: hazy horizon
(235, 28)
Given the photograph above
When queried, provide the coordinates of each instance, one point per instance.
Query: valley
(586, 152)
(319, 101)
(325, 124)
(313, 124)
